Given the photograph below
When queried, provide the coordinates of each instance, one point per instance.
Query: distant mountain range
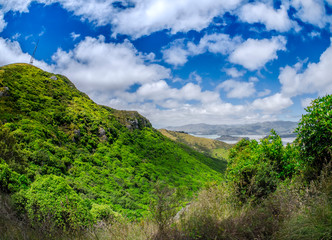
(283, 128)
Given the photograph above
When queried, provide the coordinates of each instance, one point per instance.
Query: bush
(10, 152)
(11, 181)
(50, 200)
(103, 212)
(315, 136)
(255, 168)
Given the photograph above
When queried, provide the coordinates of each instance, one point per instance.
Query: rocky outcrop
(102, 134)
(54, 77)
(4, 91)
(132, 119)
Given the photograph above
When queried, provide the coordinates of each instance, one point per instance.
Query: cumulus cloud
(254, 54)
(316, 78)
(3, 24)
(160, 92)
(233, 72)
(306, 102)
(274, 103)
(74, 35)
(172, 113)
(12, 5)
(237, 89)
(11, 52)
(96, 65)
(179, 16)
(264, 93)
(178, 52)
(273, 19)
(137, 17)
(311, 11)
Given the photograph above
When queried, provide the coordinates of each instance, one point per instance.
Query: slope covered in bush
(58, 148)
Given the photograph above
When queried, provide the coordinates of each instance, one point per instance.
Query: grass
(213, 148)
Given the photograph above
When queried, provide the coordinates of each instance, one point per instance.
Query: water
(251, 137)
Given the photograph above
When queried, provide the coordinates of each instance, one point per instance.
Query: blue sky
(180, 61)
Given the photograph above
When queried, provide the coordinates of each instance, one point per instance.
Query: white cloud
(74, 35)
(264, 93)
(237, 89)
(314, 34)
(11, 5)
(306, 102)
(233, 72)
(3, 24)
(179, 16)
(99, 12)
(274, 103)
(215, 43)
(316, 78)
(254, 54)
(160, 92)
(178, 52)
(15, 5)
(11, 52)
(138, 17)
(273, 19)
(96, 65)
(311, 11)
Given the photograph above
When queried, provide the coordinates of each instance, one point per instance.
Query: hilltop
(57, 144)
(213, 148)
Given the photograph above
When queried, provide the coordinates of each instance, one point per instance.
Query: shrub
(50, 200)
(315, 136)
(256, 168)
(11, 181)
(103, 212)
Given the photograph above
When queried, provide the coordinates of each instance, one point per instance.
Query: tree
(10, 152)
(315, 136)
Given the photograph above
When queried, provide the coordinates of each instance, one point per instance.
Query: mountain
(264, 128)
(68, 159)
(213, 148)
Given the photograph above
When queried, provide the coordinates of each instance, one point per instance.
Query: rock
(181, 212)
(77, 134)
(102, 133)
(132, 119)
(4, 91)
(54, 77)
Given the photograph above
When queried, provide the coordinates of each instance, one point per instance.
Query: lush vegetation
(68, 161)
(68, 164)
(210, 147)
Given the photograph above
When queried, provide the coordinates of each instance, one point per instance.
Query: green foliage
(315, 136)
(256, 168)
(52, 201)
(11, 181)
(10, 152)
(103, 212)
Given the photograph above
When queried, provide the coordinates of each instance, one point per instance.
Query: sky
(180, 62)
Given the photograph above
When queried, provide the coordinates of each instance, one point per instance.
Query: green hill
(213, 148)
(65, 158)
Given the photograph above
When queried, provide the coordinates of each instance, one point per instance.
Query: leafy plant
(315, 136)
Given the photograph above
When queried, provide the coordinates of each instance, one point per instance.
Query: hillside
(57, 144)
(264, 128)
(213, 148)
